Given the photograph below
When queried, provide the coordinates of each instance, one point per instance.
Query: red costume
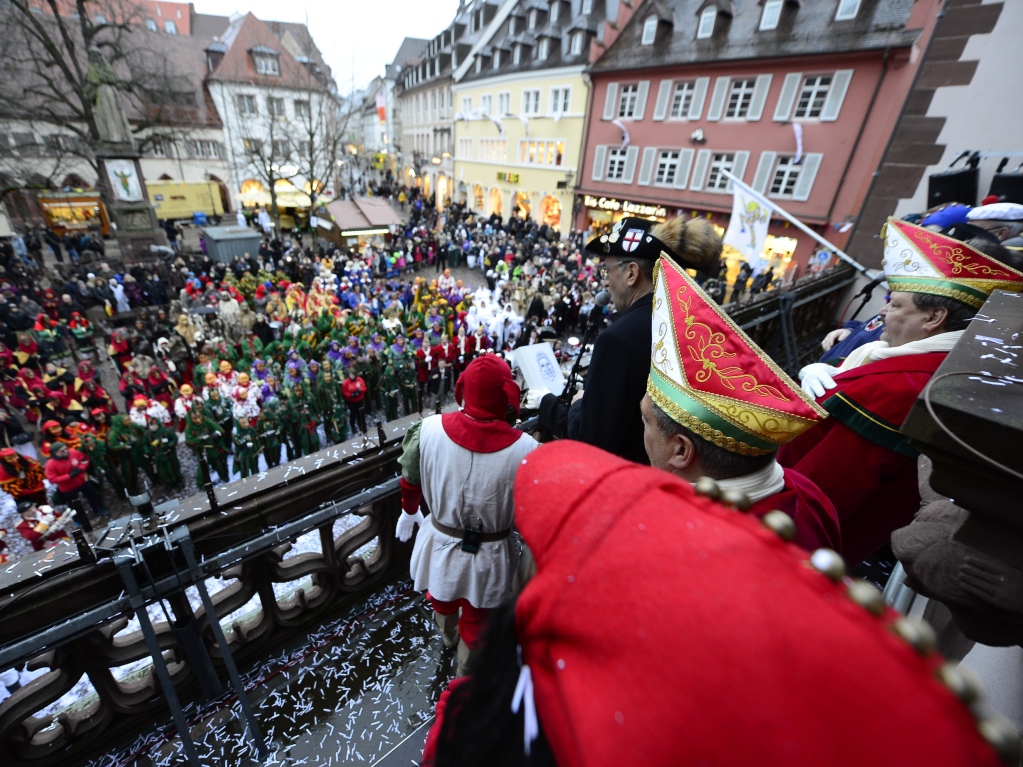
(859, 458)
(816, 521)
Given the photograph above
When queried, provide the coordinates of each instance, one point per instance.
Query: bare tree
(269, 156)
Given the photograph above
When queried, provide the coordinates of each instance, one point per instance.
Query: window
(616, 164)
(531, 102)
(812, 97)
(577, 43)
(740, 97)
(561, 98)
(494, 149)
(275, 106)
(511, 26)
(206, 149)
(533, 16)
(433, 103)
(517, 54)
(486, 104)
(503, 104)
(281, 149)
(587, 6)
(682, 99)
(497, 58)
(786, 175)
(266, 64)
(151, 25)
(25, 144)
(649, 31)
(847, 9)
(158, 147)
(253, 145)
(555, 10)
(707, 19)
(302, 109)
(465, 149)
(551, 153)
(544, 49)
(170, 26)
(716, 180)
(479, 64)
(667, 167)
(247, 105)
(771, 15)
(627, 101)
(466, 105)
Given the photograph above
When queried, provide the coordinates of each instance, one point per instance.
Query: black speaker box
(1008, 187)
(953, 186)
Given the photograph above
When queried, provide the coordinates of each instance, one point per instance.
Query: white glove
(407, 524)
(817, 378)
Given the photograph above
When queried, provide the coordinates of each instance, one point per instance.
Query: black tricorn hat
(629, 238)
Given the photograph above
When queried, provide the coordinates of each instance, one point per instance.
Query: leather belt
(455, 532)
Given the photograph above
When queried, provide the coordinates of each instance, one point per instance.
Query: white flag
(747, 231)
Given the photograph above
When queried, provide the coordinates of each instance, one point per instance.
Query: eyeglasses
(603, 269)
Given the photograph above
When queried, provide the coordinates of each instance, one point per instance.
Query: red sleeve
(433, 736)
(411, 496)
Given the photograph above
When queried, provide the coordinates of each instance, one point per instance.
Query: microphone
(869, 288)
(602, 299)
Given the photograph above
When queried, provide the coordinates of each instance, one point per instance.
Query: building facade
(797, 100)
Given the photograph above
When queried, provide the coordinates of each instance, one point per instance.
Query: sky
(357, 37)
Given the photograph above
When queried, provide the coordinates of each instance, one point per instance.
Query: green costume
(246, 449)
(409, 386)
(272, 433)
(301, 419)
(199, 377)
(371, 370)
(207, 441)
(218, 410)
(334, 410)
(390, 385)
(161, 449)
(125, 441)
(101, 463)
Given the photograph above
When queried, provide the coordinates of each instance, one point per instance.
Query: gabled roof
(248, 34)
(804, 31)
(363, 213)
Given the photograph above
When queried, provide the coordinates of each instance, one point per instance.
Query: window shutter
(641, 94)
(739, 167)
(811, 163)
(631, 155)
(611, 101)
(700, 171)
(599, 161)
(699, 98)
(663, 96)
(833, 104)
(717, 101)
(685, 162)
(760, 90)
(763, 175)
(787, 97)
(646, 169)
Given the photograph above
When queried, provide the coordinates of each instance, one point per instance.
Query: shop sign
(511, 178)
(624, 206)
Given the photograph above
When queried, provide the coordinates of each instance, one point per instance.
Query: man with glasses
(607, 414)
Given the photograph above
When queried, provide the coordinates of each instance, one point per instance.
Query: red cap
(991, 199)
(486, 388)
(50, 424)
(7, 451)
(662, 628)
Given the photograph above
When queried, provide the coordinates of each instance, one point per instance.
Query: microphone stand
(595, 318)
(866, 292)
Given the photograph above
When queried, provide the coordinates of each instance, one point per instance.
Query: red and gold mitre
(708, 376)
(917, 260)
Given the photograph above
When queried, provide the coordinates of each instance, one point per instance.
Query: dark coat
(608, 415)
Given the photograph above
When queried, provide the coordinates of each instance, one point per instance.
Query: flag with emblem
(747, 231)
(632, 239)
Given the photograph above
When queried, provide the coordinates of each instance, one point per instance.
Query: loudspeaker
(1008, 187)
(953, 186)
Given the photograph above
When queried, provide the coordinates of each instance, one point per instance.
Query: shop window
(716, 180)
(496, 202)
(522, 207)
(813, 96)
(550, 211)
(739, 98)
(477, 197)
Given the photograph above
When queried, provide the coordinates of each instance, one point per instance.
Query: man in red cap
(732, 647)
(726, 420)
(463, 464)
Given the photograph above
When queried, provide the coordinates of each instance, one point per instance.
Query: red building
(686, 88)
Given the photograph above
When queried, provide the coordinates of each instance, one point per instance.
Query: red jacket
(815, 516)
(354, 389)
(59, 471)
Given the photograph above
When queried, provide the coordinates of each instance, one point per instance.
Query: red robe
(815, 516)
(859, 458)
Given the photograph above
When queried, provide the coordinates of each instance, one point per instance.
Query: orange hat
(140, 402)
(829, 675)
(48, 425)
(225, 366)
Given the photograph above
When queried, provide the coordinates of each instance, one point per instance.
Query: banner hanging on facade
(747, 231)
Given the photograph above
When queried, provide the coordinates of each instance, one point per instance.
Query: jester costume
(161, 449)
(206, 439)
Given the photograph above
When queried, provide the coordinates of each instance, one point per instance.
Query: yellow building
(517, 143)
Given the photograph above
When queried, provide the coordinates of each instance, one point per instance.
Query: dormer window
(534, 15)
(497, 59)
(847, 10)
(707, 19)
(555, 10)
(771, 15)
(511, 26)
(587, 6)
(517, 54)
(266, 61)
(577, 43)
(479, 64)
(544, 49)
(649, 30)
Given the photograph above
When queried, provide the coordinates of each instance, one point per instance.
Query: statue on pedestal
(111, 121)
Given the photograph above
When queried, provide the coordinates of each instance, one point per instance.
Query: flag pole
(799, 225)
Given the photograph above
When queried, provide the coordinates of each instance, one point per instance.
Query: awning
(363, 215)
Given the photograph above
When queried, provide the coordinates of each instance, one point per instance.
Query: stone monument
(120, 174)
